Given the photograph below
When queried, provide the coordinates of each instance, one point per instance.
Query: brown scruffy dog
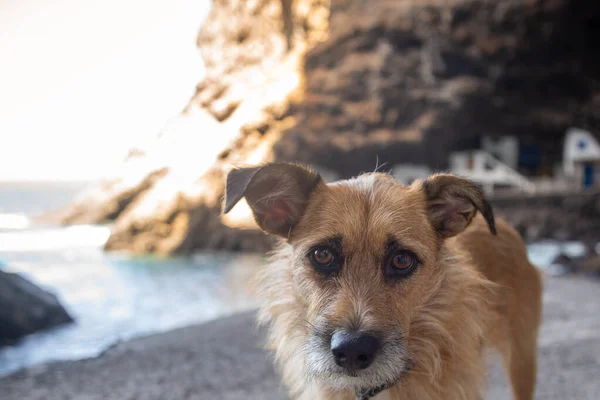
(387, 291)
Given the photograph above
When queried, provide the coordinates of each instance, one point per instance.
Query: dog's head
(364, 253)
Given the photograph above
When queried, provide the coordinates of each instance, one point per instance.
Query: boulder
(25, 308)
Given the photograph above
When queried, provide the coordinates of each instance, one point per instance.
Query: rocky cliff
(341, 85)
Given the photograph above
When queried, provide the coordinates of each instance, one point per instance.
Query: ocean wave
(14, 222)
(45, 239)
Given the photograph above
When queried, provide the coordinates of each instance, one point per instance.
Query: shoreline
(223, 359)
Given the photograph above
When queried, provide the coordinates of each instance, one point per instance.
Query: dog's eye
(323, 258)
(402, 263)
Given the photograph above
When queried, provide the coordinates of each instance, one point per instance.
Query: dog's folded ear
(452, 202)
(277, 194)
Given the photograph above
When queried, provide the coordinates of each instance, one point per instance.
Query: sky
(82, 81)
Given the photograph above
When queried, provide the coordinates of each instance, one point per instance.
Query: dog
(385, 291)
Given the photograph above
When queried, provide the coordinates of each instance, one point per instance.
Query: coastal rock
(348, 85)
(25, 308)
(559, 217)
(591, 265)
(588, 265)
(104, 202)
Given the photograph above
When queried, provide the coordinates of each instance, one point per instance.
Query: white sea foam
(53, 238)
(13, 222)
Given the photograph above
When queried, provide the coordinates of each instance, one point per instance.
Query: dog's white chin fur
(386, 369)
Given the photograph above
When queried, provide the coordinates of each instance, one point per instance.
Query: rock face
(408, 81)
(25, 308)
(342, 85)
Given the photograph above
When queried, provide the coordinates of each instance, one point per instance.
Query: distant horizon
(76, 97)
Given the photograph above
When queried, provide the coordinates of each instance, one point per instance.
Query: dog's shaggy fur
(474, 287)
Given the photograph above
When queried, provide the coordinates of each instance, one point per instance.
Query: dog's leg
(520, 349)
(522, 367)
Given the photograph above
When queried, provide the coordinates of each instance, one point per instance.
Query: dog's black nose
(354, 350)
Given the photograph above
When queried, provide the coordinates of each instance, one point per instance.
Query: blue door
(588, 175)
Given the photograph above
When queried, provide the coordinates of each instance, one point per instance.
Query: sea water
(111, 297)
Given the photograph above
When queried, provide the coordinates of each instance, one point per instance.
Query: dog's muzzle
(361, 360)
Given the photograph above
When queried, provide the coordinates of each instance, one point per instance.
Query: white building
(504, 148)
(581, 158)
(483, 168)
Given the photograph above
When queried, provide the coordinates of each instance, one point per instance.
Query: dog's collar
(366, 394)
